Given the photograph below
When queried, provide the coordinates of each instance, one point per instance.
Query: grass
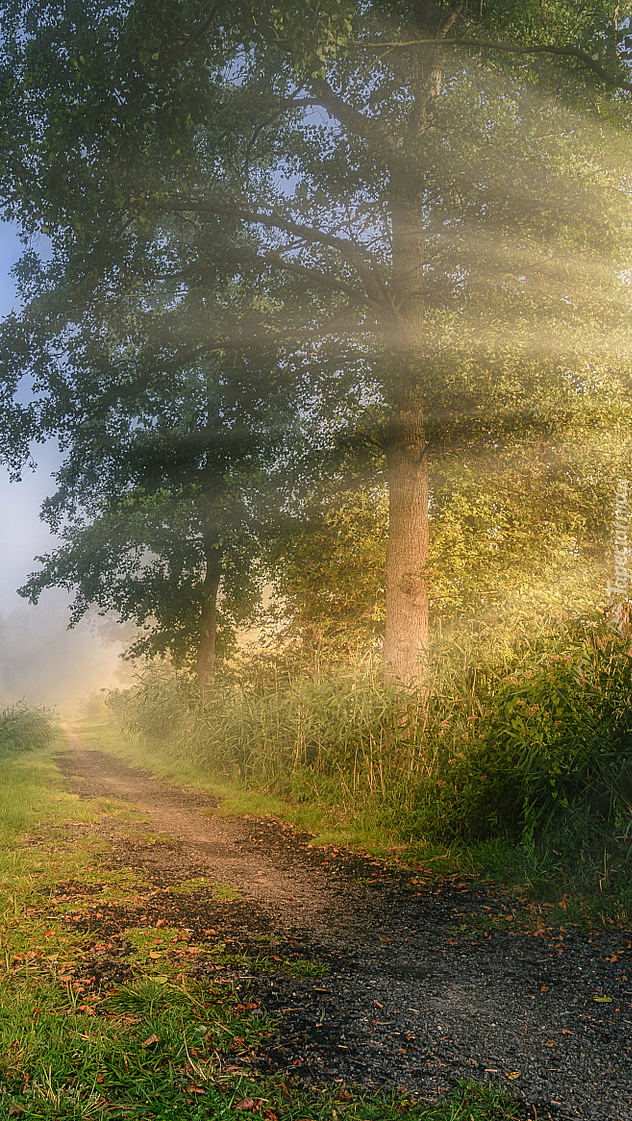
(150, 1047)
(534, 874)
(31, 788)
(329, 825)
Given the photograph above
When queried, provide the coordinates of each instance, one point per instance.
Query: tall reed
(529, 740)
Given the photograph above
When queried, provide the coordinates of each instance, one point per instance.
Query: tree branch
(278, 261)
(365, 263)
(350, 250)
(350, 117)
(368, 436)
(510, 48)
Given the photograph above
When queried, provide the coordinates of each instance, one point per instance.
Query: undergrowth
(24, 728)
(520, 750)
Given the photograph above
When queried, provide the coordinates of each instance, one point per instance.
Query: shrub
(531, 743)
(24, 729)
(95, 706)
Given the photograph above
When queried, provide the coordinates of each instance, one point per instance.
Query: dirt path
(408, 1000)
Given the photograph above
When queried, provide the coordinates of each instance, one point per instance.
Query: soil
(423, 988)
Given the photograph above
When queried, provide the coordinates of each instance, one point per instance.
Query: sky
(41, 662)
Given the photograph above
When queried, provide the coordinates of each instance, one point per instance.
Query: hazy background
(40, 661)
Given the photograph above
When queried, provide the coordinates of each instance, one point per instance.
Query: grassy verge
(329, 823)
(549, 888)
(158, 1043)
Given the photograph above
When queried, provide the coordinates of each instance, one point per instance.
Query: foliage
(524, 527)
(541, 751)
(530, 743)
(153, 538)
(24, 728)
(520, 528)
(327, 567)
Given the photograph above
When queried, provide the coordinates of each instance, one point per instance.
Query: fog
(41, 661)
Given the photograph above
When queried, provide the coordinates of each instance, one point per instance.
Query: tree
(449, 244)
(153, 512)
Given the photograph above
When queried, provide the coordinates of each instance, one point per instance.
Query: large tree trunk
(208, 630)
(406, 635)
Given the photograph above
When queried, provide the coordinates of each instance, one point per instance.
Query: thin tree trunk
(208, 630)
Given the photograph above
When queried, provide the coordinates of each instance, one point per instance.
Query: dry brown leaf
(245, 1104)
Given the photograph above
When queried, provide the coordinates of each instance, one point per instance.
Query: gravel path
(423, 988)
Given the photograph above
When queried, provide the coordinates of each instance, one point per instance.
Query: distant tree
(154, 517)
(426, 205)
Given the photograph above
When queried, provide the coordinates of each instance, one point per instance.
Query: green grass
(219, 891)
(147, 1048)
(32, 790)
(535, 874)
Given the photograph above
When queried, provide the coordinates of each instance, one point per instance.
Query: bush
(95, 706)
(24, 729)
(531, 744)
(544, 753)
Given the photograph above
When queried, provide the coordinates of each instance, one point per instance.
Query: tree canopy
(422, 209)
(156, 509)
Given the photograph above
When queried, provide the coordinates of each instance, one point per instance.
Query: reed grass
(526, 743)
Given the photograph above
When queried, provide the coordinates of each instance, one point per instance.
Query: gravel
(428, 981)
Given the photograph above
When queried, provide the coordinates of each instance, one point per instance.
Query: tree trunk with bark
(406, 634)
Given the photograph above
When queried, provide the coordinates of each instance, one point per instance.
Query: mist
(43, 663)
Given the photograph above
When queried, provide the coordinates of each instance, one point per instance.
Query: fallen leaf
(603, 999)
(245, 1104)
(513, 1074)
(154, 954)
(151, 1041)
